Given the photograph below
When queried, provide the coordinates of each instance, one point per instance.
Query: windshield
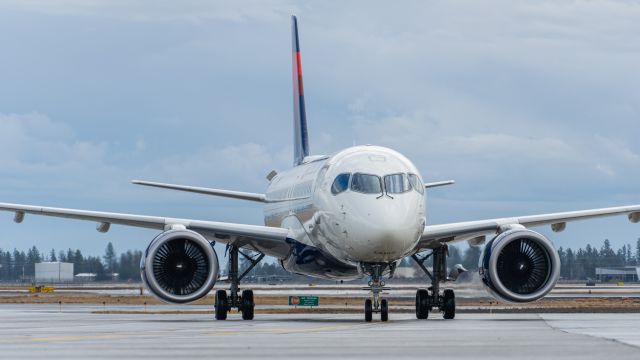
(416, 183)
(340, 184)
(396, 183)
(368, 184)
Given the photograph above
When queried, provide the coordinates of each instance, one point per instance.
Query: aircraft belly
(308, 260)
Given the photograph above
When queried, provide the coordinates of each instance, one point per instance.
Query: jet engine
(519, 265)
(179, 266)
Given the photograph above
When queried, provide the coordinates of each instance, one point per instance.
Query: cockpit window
(340, 184)
(416, 183)
(396, 183)
(368, 184)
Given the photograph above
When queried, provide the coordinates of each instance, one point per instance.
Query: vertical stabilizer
(300, 137)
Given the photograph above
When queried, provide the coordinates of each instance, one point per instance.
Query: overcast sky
(531, 106)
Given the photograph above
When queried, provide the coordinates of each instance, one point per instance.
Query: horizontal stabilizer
(206, 191)
(439, 183)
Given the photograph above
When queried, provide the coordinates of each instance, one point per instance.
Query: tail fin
(300, 136)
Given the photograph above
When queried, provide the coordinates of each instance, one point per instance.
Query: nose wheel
(383, 310)
(375, 304)
(368, 310)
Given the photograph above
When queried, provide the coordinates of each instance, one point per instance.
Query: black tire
(368, 310)
(247, 305)
(221, 305)
(422, 304)
(384, 310)
(449, 304)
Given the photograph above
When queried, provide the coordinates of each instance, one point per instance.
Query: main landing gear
(427, 299)
(243, 302)
(376, 285)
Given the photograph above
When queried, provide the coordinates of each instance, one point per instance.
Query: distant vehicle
(590, 282)
(344, 216)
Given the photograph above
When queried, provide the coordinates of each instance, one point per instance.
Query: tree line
(582, 263)
(577, 264)
(20, 265)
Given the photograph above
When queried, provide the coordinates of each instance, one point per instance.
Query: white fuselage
(365, 218)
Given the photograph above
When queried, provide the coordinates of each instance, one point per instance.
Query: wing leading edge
(269, 240)
(434, 235)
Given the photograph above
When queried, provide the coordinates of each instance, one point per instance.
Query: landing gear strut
(376, 285)
(243, 302)
(427, 299)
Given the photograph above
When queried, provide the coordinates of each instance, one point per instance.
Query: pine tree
(79, 265)
(569, 268)
(110, 258)
(52, 256)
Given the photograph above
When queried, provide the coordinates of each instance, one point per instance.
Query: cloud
(42, 156)
(190, 11)
(235, 166)
(32, 142)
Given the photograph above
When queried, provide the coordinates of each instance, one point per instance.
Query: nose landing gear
(376, 286)
(427, 299)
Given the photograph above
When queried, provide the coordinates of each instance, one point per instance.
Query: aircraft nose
(385, 232)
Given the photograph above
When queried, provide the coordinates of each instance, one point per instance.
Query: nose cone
(384, 230)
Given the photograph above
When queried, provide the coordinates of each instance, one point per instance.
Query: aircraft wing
(474, 231)
(269, 240)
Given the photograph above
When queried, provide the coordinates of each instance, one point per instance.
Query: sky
(531, 106)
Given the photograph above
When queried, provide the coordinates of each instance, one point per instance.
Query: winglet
(300, 136)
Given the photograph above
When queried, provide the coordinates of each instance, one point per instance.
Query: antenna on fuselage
(300, 136)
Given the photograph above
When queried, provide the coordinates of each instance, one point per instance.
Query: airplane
(356, 213)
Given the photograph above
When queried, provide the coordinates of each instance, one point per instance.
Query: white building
(85, 277)
(54, 272)
(627, 273)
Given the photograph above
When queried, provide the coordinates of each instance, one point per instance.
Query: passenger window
(368, 184)
(340, 184)
(416, 183)
(396, 183)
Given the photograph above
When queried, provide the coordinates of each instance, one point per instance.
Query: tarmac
(30, 331)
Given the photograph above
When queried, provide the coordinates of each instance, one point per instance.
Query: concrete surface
(43, 332)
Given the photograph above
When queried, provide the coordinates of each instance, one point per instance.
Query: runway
(45, 332)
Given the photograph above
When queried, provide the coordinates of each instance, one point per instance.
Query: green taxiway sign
(304, 301)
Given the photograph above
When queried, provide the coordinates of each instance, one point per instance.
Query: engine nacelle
(519, 265)
(179, 266)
